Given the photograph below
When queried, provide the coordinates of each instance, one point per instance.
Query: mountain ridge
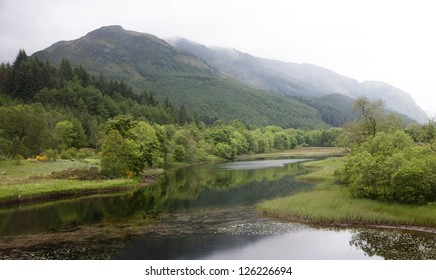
(288, 78)
(193, 80)
(149, 63)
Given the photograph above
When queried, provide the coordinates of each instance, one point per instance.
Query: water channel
(197, 212)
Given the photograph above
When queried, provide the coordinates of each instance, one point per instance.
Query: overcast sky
(389, 41)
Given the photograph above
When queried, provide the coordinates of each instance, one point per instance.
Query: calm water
(198, 212)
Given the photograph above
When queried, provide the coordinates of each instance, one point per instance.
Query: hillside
(149, 63)
(292, 79)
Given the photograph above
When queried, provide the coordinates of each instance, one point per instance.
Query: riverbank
(301, 152)
(30, 181)
(330, 204)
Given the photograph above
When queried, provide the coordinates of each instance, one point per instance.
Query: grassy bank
(29, 181)
(331, 204)
(298, 152)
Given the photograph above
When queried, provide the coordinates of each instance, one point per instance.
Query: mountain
(149, 63)
(123, 54)
(218, 83)
(292, 79)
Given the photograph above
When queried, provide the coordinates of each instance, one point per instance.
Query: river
(198, 212)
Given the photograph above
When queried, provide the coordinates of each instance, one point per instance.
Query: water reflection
(197, 212)
(175, 190)
(395, 244)
(249, 165)
(238, 233)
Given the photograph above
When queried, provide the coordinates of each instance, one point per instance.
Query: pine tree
(65, 71)
(183, 115)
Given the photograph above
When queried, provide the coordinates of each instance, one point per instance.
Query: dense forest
(64, 112)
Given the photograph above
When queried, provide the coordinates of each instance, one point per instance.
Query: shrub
(51, 154)
(18, 159)
(389, 167)
(70, 153)
(42, 158)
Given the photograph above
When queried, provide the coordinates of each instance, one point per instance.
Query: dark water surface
(197, 212)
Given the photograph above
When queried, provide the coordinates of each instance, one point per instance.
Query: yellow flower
(41, 158)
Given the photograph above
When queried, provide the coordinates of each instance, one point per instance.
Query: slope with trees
(145, 61)
(303, 80)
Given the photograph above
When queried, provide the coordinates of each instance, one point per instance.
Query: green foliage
(219, 99)
(423, 133)
(18, 159)
(70, 134)
(25, 130)
(116, 155)
(74, 107)
(51, 154)
(68, 110)
(130, 145)
(372, 120)
(145, 136)
(390, 167)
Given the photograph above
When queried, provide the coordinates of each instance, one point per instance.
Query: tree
(123, 124)
(26, 129)
(372, 120)
(70, 133)
(183, 115)
(118, 155)
(65, 71)
(144, 135)
(82, 75)
(371, 112)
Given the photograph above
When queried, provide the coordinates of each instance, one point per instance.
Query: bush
(51, 154)
(18, 159)
(390, 167)
(70, 153)
(84, 153)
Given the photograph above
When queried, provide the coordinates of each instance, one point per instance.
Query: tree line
(63, 111)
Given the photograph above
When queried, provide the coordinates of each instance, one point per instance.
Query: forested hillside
(145, 61)
(306, 80)
(51, 112)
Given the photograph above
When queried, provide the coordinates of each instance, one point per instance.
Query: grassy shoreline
(302, 152)
(29, 182)
(330, 204)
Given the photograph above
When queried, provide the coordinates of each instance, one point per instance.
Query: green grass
(298, 152)
(37, 168)
(44, 188)
(26, 181)
(330, 203)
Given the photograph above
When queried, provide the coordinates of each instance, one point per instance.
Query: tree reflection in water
(395, 244)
